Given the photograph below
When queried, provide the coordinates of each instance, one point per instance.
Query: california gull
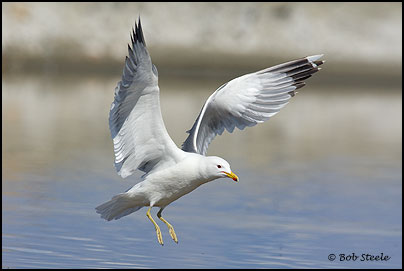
(141, 140)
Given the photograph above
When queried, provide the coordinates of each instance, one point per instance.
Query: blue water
(292, 221)
(298, 199)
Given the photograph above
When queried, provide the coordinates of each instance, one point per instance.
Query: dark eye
(219, 166)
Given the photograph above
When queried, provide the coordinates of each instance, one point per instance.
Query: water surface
(322, 177)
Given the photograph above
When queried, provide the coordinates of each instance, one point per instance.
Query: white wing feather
(248, 100)
(140, 138)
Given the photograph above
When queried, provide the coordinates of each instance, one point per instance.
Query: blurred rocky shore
(358, 39)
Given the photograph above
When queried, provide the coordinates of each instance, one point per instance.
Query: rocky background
(356, 38)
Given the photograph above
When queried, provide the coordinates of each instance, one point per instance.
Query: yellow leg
(170, 228)
(158, 232)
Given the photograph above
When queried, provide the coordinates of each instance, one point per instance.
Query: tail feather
(119, 206)
(128, 211)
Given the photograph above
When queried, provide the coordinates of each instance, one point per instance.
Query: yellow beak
(233, 176)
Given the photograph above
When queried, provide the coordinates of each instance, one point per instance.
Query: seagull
(141, 141)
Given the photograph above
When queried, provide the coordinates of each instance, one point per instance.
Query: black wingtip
(141, 32)
(137, 33)
(133, 36)
(138, 22)
(319, 62)
(299, 85)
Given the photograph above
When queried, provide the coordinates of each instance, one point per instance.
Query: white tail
(119, 206)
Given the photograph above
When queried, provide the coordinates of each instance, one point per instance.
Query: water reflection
(321, 177)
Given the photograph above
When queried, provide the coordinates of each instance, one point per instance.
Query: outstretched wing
(140, 138)
(247, 100)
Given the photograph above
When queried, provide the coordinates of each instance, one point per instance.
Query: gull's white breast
(164, 186)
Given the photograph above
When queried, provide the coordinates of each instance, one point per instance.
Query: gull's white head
(217, 167)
